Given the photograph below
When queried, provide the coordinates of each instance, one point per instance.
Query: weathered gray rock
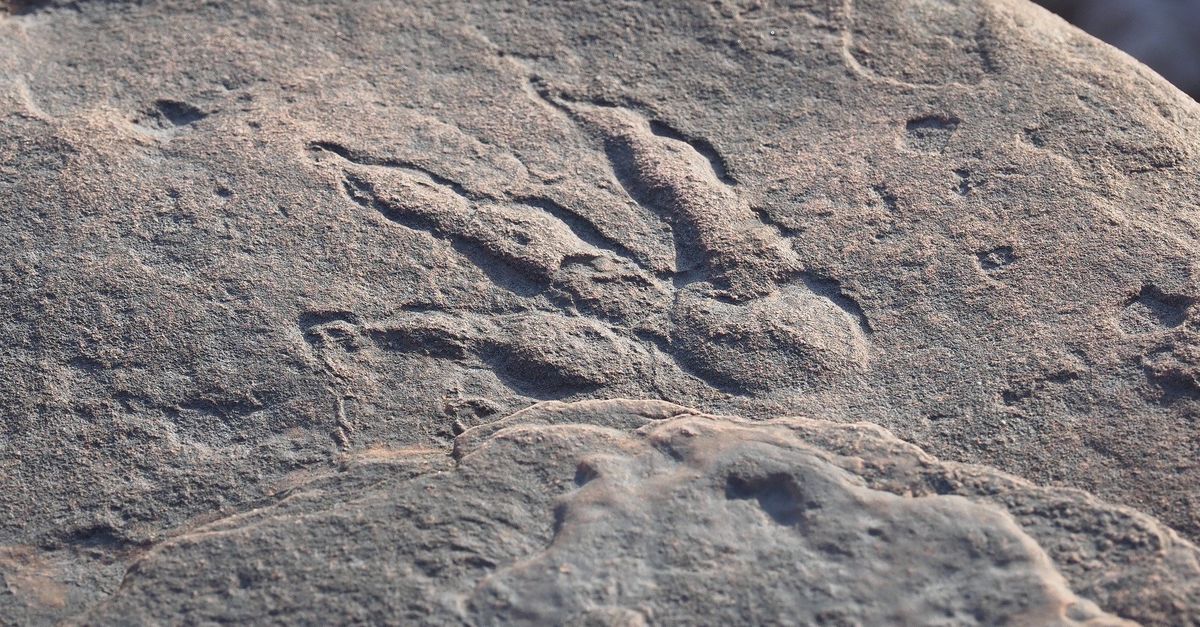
(632, 512)
(247, 240)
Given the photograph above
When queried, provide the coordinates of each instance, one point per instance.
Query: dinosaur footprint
(743, 313)
(737, 310)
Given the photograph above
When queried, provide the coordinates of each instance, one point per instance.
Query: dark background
(1164, 34)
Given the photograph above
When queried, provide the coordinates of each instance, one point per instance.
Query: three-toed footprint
(736, 308)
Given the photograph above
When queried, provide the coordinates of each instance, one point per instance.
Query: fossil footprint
(737, 310)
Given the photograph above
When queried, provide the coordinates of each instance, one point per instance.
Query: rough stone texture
(632, 512)
(246, 240)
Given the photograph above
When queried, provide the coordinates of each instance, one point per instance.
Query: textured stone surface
(637, 511)
(247, 241)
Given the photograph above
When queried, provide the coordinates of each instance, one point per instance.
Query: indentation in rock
(930, 133)
(778, 495)
(833, 290)
(547, 356)
(165, 117)
(1174, 372)
(1036, 136)
(26, 7)
(887, 198)
(585, 472)
(324, 316)
(1152, 310)
(996, 259)
(769, 314)
(701, 146)
(963, 183)
(1022, 390)
(98, 535)
(325, 329)
(468, 412)
(30, 7)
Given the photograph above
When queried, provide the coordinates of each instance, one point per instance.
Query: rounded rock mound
(640, 512)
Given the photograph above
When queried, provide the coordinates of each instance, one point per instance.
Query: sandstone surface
(265, 262)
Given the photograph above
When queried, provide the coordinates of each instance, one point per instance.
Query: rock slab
(640, 512)
(247, 241)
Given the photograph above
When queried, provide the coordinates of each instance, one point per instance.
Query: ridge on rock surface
(257, 252)
(631, 512)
